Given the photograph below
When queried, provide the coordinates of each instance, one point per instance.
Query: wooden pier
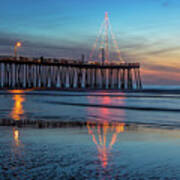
(21, 74)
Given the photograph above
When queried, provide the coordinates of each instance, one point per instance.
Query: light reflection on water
(17, 149)
(104, 132)
(102, 140)
(18, 109)
(16, 137)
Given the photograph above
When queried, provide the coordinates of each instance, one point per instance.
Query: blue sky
(146, 30)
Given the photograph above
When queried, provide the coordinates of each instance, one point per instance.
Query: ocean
(140, 108)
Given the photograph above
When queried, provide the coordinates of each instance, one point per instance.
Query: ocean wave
(113, 107)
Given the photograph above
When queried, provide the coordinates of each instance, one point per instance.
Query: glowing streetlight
(17, 45)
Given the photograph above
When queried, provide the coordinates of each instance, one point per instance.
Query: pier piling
(17, 74)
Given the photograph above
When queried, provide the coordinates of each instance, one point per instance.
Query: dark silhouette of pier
(19, 74)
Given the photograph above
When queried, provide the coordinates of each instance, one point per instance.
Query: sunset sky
(147, 31)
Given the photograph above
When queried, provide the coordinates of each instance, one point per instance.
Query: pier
(19, 74)
(100, 71)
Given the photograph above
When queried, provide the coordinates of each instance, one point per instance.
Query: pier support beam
(17, 74)
(2, 75)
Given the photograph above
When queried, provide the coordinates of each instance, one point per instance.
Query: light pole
(17, 45)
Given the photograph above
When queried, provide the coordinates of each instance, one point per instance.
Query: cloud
(162, 51)
(165, 68)
(166, 4)
(170, 3)
(33, 46)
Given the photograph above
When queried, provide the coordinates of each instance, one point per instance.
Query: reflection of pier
(103, 130)
(17, 74)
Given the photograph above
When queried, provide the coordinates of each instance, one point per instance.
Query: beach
(89, 135)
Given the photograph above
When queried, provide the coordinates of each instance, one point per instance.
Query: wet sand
(133, 152)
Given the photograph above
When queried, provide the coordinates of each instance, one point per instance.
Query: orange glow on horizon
(150, 75)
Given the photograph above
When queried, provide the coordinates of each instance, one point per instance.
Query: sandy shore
(75, 153)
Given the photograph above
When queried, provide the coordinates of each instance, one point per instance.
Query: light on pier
(17, 45)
